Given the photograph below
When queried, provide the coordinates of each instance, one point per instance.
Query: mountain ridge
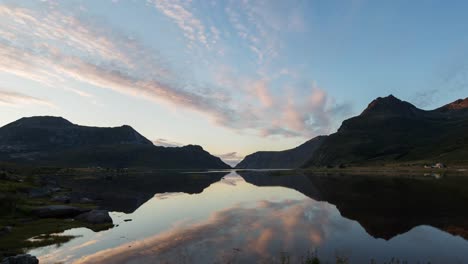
(460, 104)
(285, 159)
(55, 141)
(398, 134)
(390, 130)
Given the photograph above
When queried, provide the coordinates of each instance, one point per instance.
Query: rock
(95, 217)
(39, 193)
(61, 199)
(58, 211)
(5, 230)
(86, 200)
(55, 189)
(20, 259)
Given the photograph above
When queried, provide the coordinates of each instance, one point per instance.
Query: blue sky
(233, 76)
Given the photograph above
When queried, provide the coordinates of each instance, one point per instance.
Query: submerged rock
(58, 211)
(20, 259)
(95, 217)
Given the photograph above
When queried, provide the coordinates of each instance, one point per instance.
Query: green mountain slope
(393, 131)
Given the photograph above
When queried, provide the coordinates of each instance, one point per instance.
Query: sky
(233, 76)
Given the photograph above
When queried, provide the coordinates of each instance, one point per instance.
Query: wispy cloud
(261, 90)
(16, 99)
(192, 27)
(128, 67)
(54, 47)
(260, 25)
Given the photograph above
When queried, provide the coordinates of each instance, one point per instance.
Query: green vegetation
(34, 233)
(19, 228)
(392, 131)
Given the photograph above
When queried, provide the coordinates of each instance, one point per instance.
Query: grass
(20, 240)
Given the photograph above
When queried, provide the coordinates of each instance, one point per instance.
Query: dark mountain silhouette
(291, 158)
(393, 131)
(389, 130)
(54, 141)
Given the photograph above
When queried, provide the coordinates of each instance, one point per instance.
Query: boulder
(58, 211)
(95, 217)
(20, 259)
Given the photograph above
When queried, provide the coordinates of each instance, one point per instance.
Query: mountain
(55, 141)
(287, 159)
(390, 130)
(458, 105)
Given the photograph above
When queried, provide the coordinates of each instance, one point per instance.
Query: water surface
(257, 217)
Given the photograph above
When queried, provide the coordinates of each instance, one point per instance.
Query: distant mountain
(393, 131)
(54, 141)
(287, 159)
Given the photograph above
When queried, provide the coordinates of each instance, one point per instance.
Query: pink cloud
(192, 27)
(261, 90)
(260, 233)
(16, 99)
(58, 48)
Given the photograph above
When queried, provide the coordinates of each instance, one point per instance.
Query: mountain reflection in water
(235, 221)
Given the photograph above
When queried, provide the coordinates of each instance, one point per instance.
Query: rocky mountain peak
(456, 105)
(389, 105)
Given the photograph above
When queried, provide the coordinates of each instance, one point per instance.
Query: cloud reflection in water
(234, 221)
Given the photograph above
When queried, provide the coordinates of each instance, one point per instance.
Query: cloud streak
(16, 99)
(55, 48)
(192, 27)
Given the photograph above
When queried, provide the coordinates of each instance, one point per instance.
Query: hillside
(393, 131)
(287, 159)
(54, 141)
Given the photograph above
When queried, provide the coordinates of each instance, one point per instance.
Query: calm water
(255, 217)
